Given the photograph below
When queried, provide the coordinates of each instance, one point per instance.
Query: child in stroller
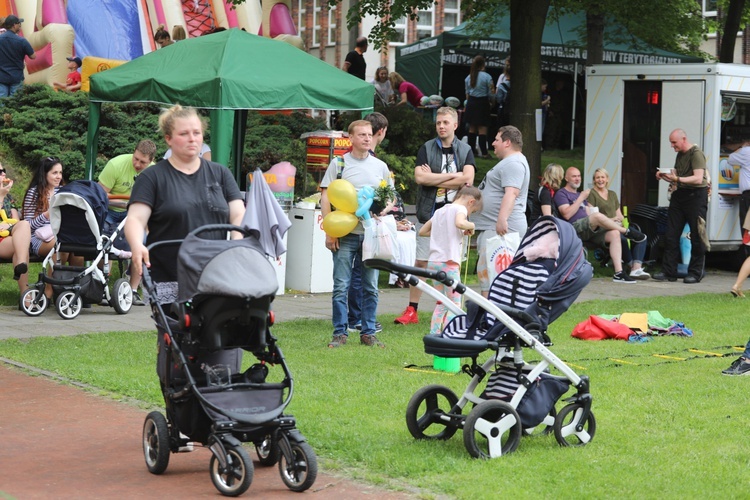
(225, 289)
(546, 276)
(77, 215)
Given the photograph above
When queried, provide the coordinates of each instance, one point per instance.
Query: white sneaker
(639, 274)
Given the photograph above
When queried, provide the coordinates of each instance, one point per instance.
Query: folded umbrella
(264, 217)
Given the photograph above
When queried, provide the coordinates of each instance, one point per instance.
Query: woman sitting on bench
(15, 234)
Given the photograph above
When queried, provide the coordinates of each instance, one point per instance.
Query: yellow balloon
(338, 223)
(343, 196)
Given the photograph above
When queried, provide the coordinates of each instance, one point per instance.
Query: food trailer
(632, 109)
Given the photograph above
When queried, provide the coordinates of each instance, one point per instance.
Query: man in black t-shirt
(355, 64)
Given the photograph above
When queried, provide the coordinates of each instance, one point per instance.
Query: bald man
(687, 205)
(592, 225)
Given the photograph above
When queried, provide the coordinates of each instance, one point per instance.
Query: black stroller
(546, 276)
(225, 292)
(77, 213)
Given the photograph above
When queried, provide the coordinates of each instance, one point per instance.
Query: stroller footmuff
(547, 274)
(225, 292)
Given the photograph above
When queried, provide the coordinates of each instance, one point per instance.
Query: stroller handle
(386, 265)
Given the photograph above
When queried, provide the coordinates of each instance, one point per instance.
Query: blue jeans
(355, 293)
(635, 254)
(7, 90)
(111, 222)
(350, 248)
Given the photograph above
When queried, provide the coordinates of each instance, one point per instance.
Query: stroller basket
(249, 406)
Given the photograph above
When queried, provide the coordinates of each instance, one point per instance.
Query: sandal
(737, 292)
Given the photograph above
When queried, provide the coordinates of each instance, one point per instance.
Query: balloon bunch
(350, 204)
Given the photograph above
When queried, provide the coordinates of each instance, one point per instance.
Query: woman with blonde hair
(176, 196)
(551, 181)
(408, 92)
(608, 204)
(178, 33)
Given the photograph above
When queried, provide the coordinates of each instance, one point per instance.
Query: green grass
(666, 426)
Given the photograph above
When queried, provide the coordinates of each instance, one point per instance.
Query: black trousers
(685, 207)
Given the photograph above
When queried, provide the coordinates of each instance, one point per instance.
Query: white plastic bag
(380, 238)
(499, 252)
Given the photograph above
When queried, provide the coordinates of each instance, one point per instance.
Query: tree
(736, 18)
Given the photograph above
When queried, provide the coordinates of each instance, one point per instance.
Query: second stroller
(77, 214)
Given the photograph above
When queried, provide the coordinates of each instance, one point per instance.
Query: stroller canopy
(230, 268)
(77, 213)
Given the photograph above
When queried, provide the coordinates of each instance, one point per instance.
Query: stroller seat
(453, 348)
(219, 322)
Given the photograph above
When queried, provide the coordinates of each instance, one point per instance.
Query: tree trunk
(731, 27)
(594, 36)
(527, 18)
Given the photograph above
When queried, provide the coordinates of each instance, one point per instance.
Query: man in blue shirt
(13, 48)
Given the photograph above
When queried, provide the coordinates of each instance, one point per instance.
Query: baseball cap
(76, 60)
(12, 21)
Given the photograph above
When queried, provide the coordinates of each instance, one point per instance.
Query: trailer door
(683, 104)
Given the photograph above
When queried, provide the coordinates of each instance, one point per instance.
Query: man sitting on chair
(592, 226)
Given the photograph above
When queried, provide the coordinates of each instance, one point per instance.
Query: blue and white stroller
(546, 276)
(77, 213)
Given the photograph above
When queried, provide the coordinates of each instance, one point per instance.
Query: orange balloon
(338, 223)
(343, 195)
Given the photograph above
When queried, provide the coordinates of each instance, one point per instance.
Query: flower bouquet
(383, 194)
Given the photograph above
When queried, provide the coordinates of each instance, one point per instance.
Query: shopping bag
(499, 252)
(380, 238)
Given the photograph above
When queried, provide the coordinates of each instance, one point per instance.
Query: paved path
(59, 441)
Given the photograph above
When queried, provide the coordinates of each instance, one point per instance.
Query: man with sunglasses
(13, 50)
(444, 164)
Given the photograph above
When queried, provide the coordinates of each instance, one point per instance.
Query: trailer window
(735, 121)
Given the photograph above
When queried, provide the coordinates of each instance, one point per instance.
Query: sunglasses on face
(2, 171)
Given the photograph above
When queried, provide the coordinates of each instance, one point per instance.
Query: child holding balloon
(446, 230)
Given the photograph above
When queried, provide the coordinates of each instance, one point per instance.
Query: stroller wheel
(268, 451)
(492, 429)
(27, 302)
(427, 413)
(299, 474)
(156, 442)
(566, 422)
(68, 308)
(122, 296)
(234, 479)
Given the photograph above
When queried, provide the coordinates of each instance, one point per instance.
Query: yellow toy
(6, 232)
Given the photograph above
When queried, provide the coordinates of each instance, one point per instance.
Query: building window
(400, 27)
(330, 30)
(426, 23)
(709, 8)
(451, 14)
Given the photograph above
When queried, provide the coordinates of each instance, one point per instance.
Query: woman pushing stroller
(176, 196)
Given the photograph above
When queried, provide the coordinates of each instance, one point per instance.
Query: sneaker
(137, 300)
(741, 366)
(622, 277)
(639, 274)
(358, 328)
(409, 316)
(635, 235)
(370, 340)
(663, 277)
(337, 341)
